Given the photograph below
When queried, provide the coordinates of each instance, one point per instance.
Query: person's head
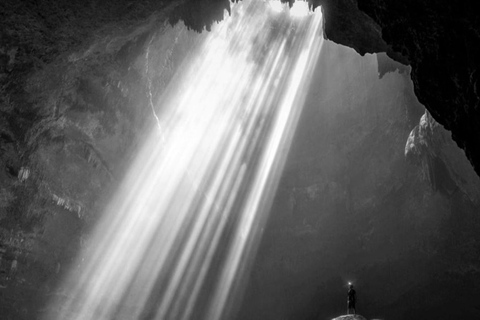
(350, 285)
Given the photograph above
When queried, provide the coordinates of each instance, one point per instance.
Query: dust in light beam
(177, 239)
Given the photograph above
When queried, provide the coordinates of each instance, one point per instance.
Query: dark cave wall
(66, 150)
(441, 40)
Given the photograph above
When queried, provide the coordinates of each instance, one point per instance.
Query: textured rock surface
(441, 42)
(83, 117)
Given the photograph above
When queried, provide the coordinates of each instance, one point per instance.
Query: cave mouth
(181, 231)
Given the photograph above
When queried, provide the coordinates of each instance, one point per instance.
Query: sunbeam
(178, 237)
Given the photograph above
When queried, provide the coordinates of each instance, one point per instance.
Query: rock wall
(440, 40)
(66, 147)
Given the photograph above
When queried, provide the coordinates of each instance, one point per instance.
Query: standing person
(351, 299)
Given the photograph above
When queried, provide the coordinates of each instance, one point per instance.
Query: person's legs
(350, 306)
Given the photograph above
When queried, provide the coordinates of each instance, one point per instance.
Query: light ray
(276, 5)
(177, 239)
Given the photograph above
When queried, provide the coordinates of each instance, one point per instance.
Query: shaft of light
(178, 237)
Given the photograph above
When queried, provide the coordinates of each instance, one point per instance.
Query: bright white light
(299, 9)
(176, 240)
(276, 5)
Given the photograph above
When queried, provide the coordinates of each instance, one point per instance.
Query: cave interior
(380, 186)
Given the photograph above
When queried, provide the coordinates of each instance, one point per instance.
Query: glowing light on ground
(177, 239)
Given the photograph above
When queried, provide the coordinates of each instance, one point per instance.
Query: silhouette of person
(351, 299)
